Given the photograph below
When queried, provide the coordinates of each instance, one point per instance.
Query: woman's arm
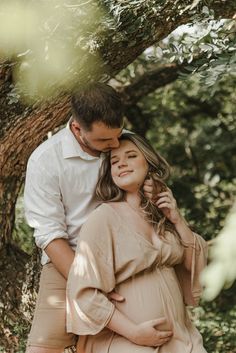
(195, 250)
(167, 203)
(187, 237)
(144, 334)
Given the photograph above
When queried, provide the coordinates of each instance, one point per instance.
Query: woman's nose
(122, 163)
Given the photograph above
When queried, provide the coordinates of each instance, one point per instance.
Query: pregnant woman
(142, 249)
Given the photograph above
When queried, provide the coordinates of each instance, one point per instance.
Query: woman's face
(128, 166)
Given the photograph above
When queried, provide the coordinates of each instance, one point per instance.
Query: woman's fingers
(163, 337)
(166, 200)
(166, 194)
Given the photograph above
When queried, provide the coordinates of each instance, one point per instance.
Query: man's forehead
(103, 131)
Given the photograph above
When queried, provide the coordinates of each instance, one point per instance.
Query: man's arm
(61, 255)
(44, 211)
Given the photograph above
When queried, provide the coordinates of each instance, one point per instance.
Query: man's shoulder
(49, 147)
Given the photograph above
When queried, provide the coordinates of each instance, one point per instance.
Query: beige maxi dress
(112, 256)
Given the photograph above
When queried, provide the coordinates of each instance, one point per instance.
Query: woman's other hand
(147, 334)
(148, 189)
(168, 205)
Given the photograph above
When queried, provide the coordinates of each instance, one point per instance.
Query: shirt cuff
(42, 241)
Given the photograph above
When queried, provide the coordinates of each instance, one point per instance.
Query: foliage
(22, 234)
(217, 322)
(207, 48)
(217, 51)
(188, 127)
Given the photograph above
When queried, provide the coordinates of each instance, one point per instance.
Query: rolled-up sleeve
(91, 278)
(190, 280)
(44, 209)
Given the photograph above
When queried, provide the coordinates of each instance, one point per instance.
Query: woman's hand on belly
(147, 334)
(143, 334)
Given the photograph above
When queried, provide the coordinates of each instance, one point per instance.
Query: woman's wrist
(123, 326)
(184, 230)
(180, 221)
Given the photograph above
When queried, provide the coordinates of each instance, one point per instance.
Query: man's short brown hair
(97, 102)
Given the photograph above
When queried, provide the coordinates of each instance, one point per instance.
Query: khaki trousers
(48, 328)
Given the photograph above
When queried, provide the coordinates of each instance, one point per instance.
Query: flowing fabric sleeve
(190, 280)
(91, 276)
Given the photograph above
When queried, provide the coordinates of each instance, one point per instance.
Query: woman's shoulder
(104, 213)
(101, 224)
(111, 207)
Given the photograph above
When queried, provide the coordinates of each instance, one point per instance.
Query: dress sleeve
(190, 280)
(91, 277)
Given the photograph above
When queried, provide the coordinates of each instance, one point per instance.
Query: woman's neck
(133, 199)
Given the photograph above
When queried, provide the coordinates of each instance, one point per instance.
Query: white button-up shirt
(59, 189)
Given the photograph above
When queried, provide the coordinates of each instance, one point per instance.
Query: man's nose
(115, 143)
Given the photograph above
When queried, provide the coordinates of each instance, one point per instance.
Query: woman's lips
(125, 173)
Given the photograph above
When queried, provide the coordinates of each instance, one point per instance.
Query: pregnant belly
(152, 295)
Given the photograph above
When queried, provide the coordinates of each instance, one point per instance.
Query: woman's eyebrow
(125, 152)
(114, 156)
(130, 151)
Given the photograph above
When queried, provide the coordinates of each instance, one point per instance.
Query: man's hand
(113, 296)
(147, 334)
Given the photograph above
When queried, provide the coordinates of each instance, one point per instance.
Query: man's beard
(84, 142)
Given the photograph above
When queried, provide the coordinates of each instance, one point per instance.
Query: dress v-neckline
(126, 225)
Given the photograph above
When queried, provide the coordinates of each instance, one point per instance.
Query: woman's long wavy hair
(159, 171)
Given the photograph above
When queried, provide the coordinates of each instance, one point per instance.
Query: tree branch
(154, 79)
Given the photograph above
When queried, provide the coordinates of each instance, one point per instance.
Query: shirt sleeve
(190, 280)
(44, 209)
(91, 277)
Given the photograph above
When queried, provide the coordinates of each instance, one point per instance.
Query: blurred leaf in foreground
(51, 43)
(222, 270)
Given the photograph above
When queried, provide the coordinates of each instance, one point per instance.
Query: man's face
(99, 139)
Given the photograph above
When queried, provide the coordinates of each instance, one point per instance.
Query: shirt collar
(71, 147)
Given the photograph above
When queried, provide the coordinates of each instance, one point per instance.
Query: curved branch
(154, 79)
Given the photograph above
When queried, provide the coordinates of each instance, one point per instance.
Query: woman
(143, 250)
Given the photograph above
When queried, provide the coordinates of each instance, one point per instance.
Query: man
(59, 194)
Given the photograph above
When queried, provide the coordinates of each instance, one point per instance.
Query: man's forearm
(61, 254)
